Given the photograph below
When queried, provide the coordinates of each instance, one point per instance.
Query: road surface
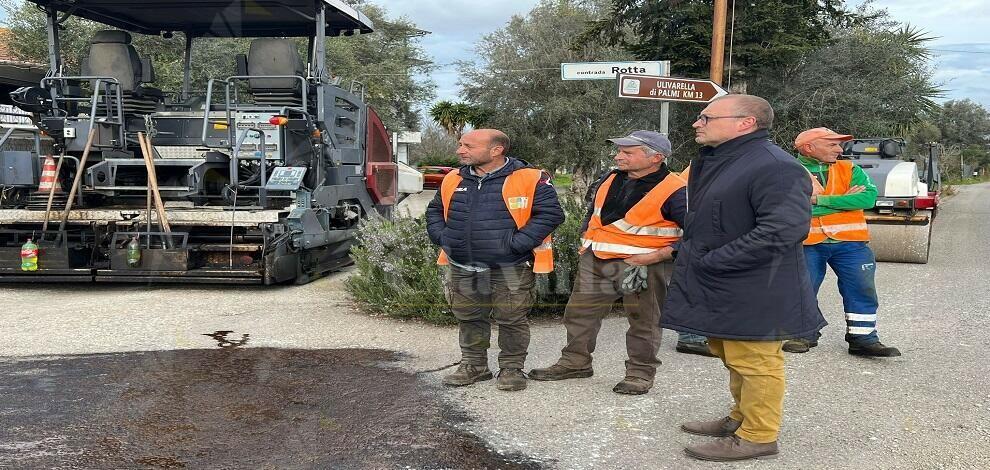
(112, 376)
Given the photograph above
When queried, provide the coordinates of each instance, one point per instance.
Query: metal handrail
(208, 107)
(35, 132)
(354, 85)
(230, 80)
(229, 106)
(6, 135)
(94, 100)
(41, 163)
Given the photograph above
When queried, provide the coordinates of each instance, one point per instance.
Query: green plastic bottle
(134, 252)
(29, 256)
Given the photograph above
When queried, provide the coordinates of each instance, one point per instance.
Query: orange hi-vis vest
(642, 230)
(847, 226)
(518, 192)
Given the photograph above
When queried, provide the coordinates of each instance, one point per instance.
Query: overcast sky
(456, 26)
(962, 27)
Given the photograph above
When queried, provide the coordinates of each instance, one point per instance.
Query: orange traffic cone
(48, 177)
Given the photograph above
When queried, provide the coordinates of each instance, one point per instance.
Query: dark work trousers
(505, 294)
(856, 267)
(596, 288)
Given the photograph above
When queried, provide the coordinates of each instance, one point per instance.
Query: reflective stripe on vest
(840, 228)
(847, 226)
(642, 230)
(518, 192)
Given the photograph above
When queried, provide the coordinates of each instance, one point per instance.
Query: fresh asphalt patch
(232, 407)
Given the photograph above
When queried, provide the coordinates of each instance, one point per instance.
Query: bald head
(749, 105)
(495, 138)
(483, 148)
(732, 116)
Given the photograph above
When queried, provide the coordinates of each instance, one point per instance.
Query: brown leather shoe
(559, 372)
(467, 374)
(718, 428)
(511, 380)
(633, 386)
(799, 345)
(727, 449)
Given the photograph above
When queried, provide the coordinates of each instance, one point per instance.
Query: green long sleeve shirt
(840, 202)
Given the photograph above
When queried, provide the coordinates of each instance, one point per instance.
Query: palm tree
(452, 117)
(444, 114)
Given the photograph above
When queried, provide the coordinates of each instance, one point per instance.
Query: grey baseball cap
(653, 140)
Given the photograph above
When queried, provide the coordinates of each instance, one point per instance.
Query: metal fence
(6, 118)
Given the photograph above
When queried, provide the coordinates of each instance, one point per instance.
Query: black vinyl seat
(271, 56)
(112, 55)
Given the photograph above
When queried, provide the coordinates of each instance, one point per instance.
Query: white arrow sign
(609, 70)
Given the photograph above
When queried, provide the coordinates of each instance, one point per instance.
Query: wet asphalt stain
(223, 342)
(231, 408)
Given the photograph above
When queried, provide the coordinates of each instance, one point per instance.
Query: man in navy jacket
(491, 260)
(740, 276)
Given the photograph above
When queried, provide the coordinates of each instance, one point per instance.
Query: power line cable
(961, 52)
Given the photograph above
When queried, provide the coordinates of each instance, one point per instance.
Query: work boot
(718, 428)
(799, 345)
(873, 350)
(467, 374)
(511, 380)
(633, 386)
(727, 449)
(699, 348)
(559, 372)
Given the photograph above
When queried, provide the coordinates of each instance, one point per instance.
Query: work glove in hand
(635, 280)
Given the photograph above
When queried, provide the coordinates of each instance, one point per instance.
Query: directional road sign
(609, 70)
(668, 89)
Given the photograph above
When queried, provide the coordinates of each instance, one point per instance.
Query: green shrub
(553, 290)
(397, 271)
(563, 181)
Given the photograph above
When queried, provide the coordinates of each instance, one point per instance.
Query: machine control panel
(286, 178)
(254, 120)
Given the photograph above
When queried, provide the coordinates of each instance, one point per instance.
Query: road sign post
(665, 105)
(668, 89)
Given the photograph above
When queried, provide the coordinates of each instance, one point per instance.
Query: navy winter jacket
(740, 271)
(480, 231)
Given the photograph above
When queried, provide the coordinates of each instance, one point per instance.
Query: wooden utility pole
(718, 40)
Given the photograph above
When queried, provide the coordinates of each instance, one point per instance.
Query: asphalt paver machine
(261, 178)
(907, 202)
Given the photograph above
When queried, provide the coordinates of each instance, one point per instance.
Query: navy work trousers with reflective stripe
(853, 263)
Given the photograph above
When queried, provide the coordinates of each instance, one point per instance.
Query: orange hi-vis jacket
(847, 226)
(518, 192)
(642, 230)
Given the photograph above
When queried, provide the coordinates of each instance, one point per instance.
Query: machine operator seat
(270, 56)
(112, 55)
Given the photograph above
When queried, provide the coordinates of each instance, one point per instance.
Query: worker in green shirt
(838, 237)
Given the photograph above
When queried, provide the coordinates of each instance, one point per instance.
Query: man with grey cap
(632, 224)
